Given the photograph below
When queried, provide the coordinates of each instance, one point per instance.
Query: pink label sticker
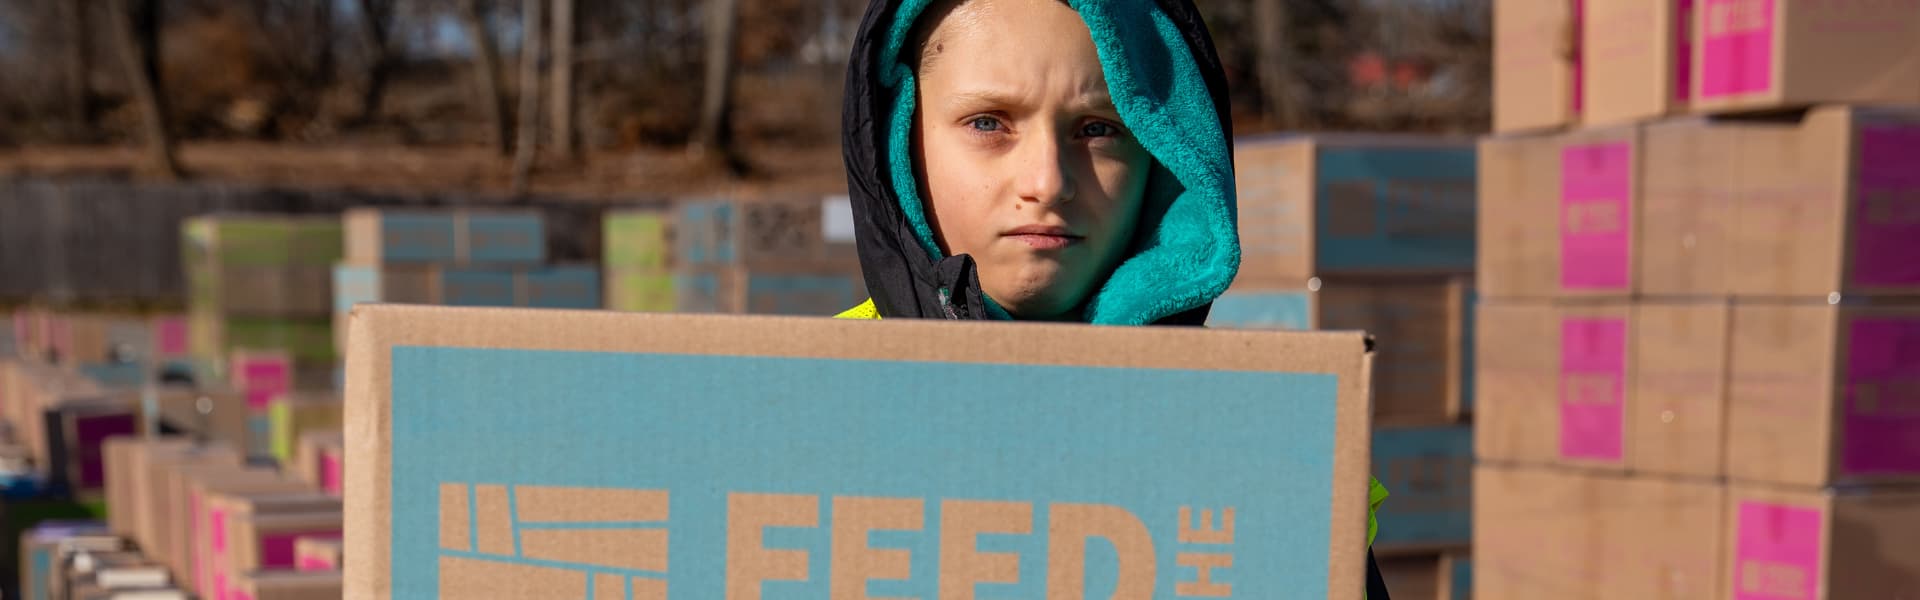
(330, 473)
(1736, 47)
(1682, 50)
(315, 563)
(1596, 189)
(217, 532)
(170, 336)
(262, 379)
(1579, 76)
(220, 586)
(1593, 367)
(277, 549)
(1777, 555)
(1887, 208)
(1882, 424)
(240, 595)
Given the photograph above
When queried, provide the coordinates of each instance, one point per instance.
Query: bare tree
(136, 24)
(713, 139)
(486, 67)
(376, 17)
(1279, 91)
(79, 63)
(526, 141)
(560, 97)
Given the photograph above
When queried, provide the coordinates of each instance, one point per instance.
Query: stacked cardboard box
(294, 415)
(1697, 374)
(61, 419)
(455, 257)
(1376, 233)
(786, 257)
(638, 256)
(260, 282)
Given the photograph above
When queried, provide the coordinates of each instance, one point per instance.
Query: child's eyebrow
(1099, 102)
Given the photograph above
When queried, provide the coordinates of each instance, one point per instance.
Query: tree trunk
(323, 46)
(137, 25)
(373, 30)
(486, 68)
(79, 65)
(560, 98)
(526, 141)
(713, 139)
(1276, 71)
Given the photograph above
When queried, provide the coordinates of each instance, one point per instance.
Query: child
(1044, 160)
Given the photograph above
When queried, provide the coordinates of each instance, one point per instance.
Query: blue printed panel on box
(506, 238)
(704, 233)
(659, 454)
(418, 237)
(477, 287)
(353, 285)
(1263, 310)
(1429, 473)
(562, 287)
(774, 294)
(1395, 209)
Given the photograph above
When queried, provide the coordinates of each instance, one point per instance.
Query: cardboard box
(1827, 206)
(1536, 64)
(1519, 240)
(148, 489)
(246, 530)
(92, 573)
(452, 236)
(1592, 224)
(639, 289)
(76, 431)
(293, 415)
(1137, 409)
(271, 240)
(1636, 60)
(1676, 420)
(1555, 384)
(224, 419)
(1429, 472)
(1821, 544)
(1766, 54)
(194, 531)
(310, 457)
(317, 554)
(793, 290)
(177, 501)
(289, 585)
(309, 340)
(261, 375)
(1354, 204)
(1412, 577)
(1824, 395)
(637, 239)
(1422, 330)
(1546, 533)
(43, 547)
(1456, 572)
(1692, 175)
(759, 234)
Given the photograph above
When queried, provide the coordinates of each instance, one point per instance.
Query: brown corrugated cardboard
(1536, 64)
(1353, 204)
(1821, 544)
(1546, 533)
(289, 585)
(1765, 54)
(241, 526)
(455, 236)
(145, 480)
(1554, 384)
(199, 563)
(1676, 422)
(1691, 178)
(1117, 374)
(1826, 206)
(1518, 239)
(266, 541)
(309, 459)
(225, 420)
(186, 485)
(1412, 577)
(1822, 394)
(1636, 58)
(317, 554)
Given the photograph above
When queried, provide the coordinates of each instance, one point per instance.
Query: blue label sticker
(1392, 209)
(1429, 472)
(506, 238)
(417, 238)
(563, 287)
(477, 287)
(1263, 310)
(678, 454)
(353, 285)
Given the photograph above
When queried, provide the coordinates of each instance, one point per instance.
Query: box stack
(639, 259)
(1697, 358)
(454, 257)
(1376, 233)
(785, 257)
(209, 524)
(294, 415)
(261, 282)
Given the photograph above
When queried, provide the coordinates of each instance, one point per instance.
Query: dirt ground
(605, 177)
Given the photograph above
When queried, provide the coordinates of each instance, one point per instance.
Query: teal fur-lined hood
(1166, 82)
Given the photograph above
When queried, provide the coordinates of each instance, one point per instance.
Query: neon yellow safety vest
(1376, 493)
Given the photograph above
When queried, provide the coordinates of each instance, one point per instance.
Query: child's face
(1025, 162)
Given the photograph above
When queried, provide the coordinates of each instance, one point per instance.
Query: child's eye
(985, 124)
(1099, 129)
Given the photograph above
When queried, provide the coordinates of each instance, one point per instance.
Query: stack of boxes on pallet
(1375, 233)
(1700, 350)
(775, 256)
